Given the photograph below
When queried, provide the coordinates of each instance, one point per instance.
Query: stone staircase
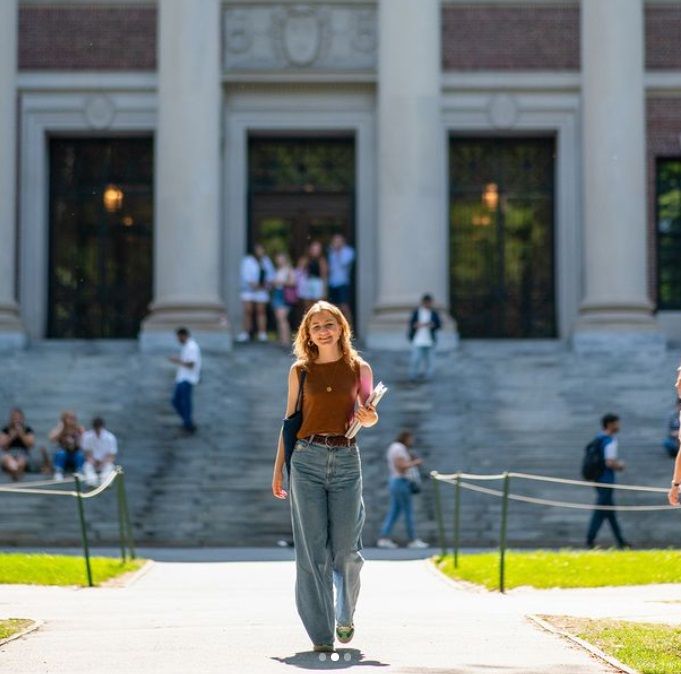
(494, 406)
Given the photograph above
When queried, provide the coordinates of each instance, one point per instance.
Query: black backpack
(593, 464)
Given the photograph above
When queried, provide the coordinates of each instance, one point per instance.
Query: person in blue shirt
(604, 495)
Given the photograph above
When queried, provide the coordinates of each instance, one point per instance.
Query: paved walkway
(239, 616)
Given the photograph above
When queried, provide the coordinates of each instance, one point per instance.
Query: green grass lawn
(567, 568)
(59, 569)
(648, 648)
(12, 626)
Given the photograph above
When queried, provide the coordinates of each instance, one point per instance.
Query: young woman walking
(327, 510)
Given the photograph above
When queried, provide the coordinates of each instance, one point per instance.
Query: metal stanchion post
(126, 516)
(457, 518)
(438, 509)
(83, 529)
(121, 515)
(502, 535)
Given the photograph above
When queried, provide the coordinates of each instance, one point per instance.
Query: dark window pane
(101, 223)
(501, 237)
(668, 229)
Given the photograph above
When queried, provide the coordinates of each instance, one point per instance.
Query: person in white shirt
(188, 374)
(257, 275)
(423, 327)
(100, 449)
(400, 461)
(341, 257)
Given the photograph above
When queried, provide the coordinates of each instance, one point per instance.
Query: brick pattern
(663, 37)
(663, 118)
(537, 37)
(87, 38)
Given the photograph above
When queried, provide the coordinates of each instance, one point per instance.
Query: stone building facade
(521, 160)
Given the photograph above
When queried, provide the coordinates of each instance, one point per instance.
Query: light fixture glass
(490, 197)
(113, 198)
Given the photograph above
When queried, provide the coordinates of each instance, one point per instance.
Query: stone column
(616, 312)
(412, 228)
(187, 242)
(12, 333)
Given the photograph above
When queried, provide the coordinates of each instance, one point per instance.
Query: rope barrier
(61, 492)
(36, 483)
(452, 477)
(564, 504)
(124, 523)
(458, 481)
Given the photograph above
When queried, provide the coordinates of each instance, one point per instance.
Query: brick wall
(663, 37)
(663, 119)
(539, 37)
(87, 37)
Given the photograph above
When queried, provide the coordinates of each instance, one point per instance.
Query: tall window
(101, 223)
(501, 237)
(668, 227)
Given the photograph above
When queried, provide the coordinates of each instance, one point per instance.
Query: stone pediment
(284, 37)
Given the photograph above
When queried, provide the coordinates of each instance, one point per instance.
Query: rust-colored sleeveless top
(327, 412)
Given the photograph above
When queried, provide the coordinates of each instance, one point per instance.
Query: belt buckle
(326, 442)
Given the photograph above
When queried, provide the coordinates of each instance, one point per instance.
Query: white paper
(374, 398)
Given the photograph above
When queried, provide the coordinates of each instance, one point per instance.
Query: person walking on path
(400, 461)
(423, 327)
(188, 375)
(604, 496)
(327, 509)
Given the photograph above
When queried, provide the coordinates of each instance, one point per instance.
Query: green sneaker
(323, 648)
(345, 633)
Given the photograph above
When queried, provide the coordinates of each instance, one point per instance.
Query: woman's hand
(367, 416)
(673, 496)
(277, 488)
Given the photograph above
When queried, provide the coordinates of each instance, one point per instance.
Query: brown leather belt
(331, 440)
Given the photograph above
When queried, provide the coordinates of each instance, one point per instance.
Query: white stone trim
(656, 81)
(85, 80)
(43, 114)
(514, 80)
(286, 77)
(538, 114)
(311, 110)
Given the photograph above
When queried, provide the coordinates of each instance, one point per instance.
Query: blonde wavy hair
(306, 351)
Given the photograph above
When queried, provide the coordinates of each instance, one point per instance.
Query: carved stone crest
(238, 31)
(273, 36)
(99, 111)
(301, 33)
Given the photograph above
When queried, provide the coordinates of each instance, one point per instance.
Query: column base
(389, 327)
(12, 333)
(617, 331)
(207, 323)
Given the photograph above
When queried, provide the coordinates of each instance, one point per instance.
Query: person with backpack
(601, 465)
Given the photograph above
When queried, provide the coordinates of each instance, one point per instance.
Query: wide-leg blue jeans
(327, 512)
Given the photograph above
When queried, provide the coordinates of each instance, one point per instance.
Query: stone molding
(282, 37)
(43, 113)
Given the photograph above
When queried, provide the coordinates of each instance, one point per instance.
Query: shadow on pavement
(343, 658)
